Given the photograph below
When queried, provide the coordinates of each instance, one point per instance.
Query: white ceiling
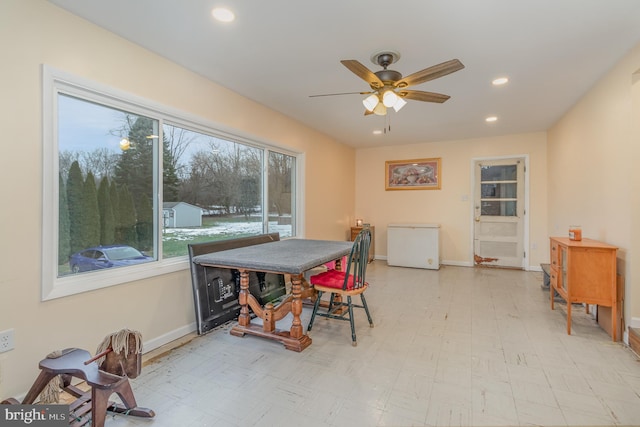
(279, 52)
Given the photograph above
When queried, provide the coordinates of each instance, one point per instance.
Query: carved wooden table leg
(293, 339)
(268, 321)
(244, 319)
(296, 306)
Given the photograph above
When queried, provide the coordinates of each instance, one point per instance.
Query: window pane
(499, 208)
(281, 175)
(219, 190)
(106, 181)
(499, 191)
(499, 173)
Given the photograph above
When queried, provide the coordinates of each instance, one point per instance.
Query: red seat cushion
(332, 279)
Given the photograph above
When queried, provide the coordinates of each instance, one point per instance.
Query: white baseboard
(634, 322)
(168, 337)
(457, 263)
(454, 263)
(467, 264)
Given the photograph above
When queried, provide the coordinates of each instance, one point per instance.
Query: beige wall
(585, 163)
(35, 32)
(633, 288)
(448, 206)
(593, 169)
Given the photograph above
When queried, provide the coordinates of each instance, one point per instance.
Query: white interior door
(499, 213)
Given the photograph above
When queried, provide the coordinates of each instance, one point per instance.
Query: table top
(292, 256)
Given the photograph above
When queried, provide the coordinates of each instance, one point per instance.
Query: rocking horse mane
(121, 353)
(119, 342)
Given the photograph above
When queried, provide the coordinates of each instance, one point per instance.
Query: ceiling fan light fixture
(387, 86)
(500, 81)
(370, 102)
(399, 104)
(380, 110)
(389, 98)
(223, 14)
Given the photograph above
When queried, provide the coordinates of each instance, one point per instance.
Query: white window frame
(57, 81)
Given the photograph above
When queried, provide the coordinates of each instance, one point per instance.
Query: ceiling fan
(388, 87)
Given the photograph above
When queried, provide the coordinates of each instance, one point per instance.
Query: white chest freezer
(414, 245)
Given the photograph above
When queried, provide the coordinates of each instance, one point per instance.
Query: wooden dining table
(293, 257)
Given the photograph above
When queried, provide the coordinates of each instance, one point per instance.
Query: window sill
(85, 282)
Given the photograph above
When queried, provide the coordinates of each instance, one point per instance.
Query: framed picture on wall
(416, 174)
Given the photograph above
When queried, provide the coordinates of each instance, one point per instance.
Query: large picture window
(128, 186)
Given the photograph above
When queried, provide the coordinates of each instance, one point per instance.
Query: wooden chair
(347, 283)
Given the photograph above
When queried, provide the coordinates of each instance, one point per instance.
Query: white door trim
(525, 243)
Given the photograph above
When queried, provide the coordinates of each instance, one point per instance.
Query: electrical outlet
(6, 340)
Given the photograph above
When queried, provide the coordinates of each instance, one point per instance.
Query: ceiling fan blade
(430, 73)
(342, 93)
(419, 95)
(363, 72)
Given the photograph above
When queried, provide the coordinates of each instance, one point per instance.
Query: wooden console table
(584, 272)
(372, 248)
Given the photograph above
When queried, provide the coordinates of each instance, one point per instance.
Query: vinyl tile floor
(455, 347)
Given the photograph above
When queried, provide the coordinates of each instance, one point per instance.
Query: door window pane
(499, 208)
(499, 173)
(499, 191)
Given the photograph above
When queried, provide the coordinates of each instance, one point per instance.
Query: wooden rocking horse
(118, 358)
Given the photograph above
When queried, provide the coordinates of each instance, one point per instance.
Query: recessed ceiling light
(377, 132)
(500, 81)
(491, 119)
(222, 14)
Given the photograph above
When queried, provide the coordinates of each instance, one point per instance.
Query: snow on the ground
(229, 228)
